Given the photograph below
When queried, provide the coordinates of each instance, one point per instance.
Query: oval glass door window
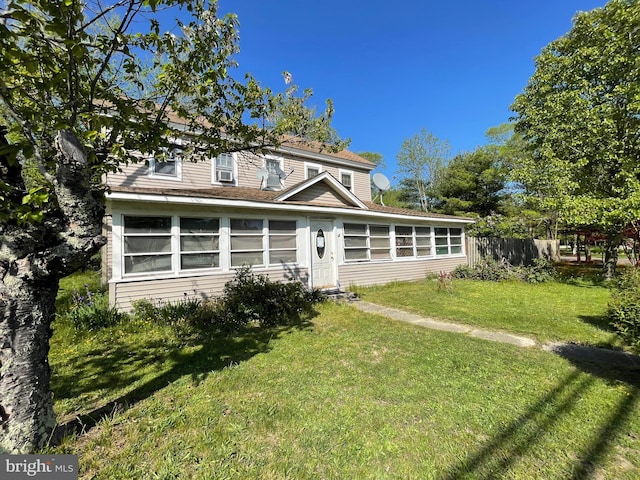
(320, 243)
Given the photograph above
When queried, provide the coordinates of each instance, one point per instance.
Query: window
(147, 244)
(448, 241)
(355, 242)
(275, 175)
(346, 178)
(413, 241)
(223, 168)
(423, 241)
(282, 241)
(379, 242)
(366, 242)
(311, 170)
(247, 242)
(167, 165)
(199, 243)
(404, 241)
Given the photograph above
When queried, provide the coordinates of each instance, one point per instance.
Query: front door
(323, 254)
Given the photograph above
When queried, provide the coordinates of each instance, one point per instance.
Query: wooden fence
(517, 251)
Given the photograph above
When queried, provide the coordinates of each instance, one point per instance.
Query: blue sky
(392, 68)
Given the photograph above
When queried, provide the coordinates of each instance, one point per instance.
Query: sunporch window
(448, 241)
(247, 246)
(282, 242)
(199, 243)
(147, 244)
(366, 242)
(404, 241)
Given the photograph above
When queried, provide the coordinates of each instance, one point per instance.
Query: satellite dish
(383, 184)
(262, 174)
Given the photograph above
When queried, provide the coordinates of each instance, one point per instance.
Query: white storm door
(323, 254)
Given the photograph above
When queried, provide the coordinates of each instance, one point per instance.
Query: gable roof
(330, 182)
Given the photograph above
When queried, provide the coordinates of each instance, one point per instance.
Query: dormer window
(166, 165)
(346, 178)
(224, 169)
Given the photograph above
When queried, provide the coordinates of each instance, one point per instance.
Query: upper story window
(346, 178)
(311, 170)
(275, 173)
(167, 165)
(224, 170)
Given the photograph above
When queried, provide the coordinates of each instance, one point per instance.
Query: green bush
(540, 270)
(624, 307)
(90, 310)
(190, 312)
(487, 269)
(254, 298)
(248, 298)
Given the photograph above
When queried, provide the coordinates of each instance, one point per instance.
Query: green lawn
(572, 312)
(348, 395)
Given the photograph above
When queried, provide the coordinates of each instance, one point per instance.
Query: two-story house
(176, 228)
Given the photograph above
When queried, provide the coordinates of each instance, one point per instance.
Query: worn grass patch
(558, 311)
(350, 395)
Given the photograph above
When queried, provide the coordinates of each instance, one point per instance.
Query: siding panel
(366, 273)
(319, 193)
(176, 289)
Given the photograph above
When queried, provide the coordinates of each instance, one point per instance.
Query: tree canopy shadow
(117, 365)
(494, 459)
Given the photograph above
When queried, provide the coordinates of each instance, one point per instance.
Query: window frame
(450, 247)
(280, 160)
(351, 175)
(270, 235)
(315, 166)
(233, 169)
(154, 162)
(366, 234)
(157, 253)
(215, 234)
(250, 234)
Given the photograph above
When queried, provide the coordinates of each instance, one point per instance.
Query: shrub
(487, 269)
(254, 298)
(541, 270)
(188, 312)
(91, 311)
(624, 307)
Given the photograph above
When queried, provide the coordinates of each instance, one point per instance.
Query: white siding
(122, 294)
(378, 273)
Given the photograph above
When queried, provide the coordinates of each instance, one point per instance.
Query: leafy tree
(472, 182)
(373, 157)
(420, 161)
(81, 92)
(580, 114)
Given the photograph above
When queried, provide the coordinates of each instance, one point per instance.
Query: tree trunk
(26, 405)
(611, 255)
(33, 258)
